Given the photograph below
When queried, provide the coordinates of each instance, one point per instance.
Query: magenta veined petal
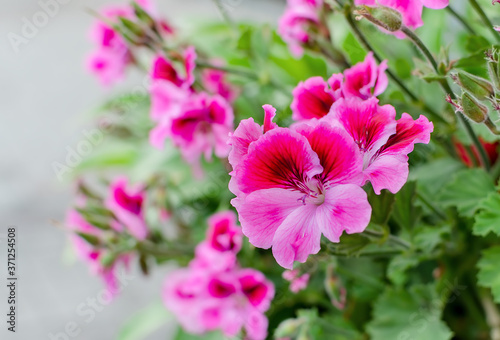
(311, 99)
(387, 172)
(338, 155)
(280, 159)
(435, 4)
(247, 132)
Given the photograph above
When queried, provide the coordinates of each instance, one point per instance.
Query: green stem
(484, 18)
(429, 205)
(447, 89)
(360, 36)
(461, 19)
(224, 14)
(391, 238)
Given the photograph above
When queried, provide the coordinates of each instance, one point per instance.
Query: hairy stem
(447, 89)
(462, 20)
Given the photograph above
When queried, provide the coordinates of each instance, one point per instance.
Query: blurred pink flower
(384, 143)
(411, 10)
(293, 185)
(93, 256)
(215, 82)
(222, 243)
(127, 204)
(365, 79)
(297, 283)
(294, 25)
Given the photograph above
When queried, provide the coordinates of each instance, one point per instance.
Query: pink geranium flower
(383, 142)
(411, 10)
(215, 82)
(293, 185)
(127, 204)
(93, 256)
(294, 24)
(314, 97)
(222, 243)
(365, 79)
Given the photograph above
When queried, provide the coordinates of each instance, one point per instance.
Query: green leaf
(353, 49)
(382, 206)
(488, 219)
(145, 322)
(476, 43)
(467, 188)
(405, 212)
(413, 313)
(396, 271)
(489, 275)
(183, 335)
(427, 238)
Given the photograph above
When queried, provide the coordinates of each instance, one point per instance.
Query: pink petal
(346, 208)
(365, 79)
(297, 237)
(269, 114)
(311, 99)
(387, 172)
(435, 4)
(263, 211)
(408, 132)
(247, 132)
(164, 70)
(280, 159)
(338, 155)
(368, 124)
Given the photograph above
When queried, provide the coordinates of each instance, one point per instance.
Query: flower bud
(90, 239)
(288, 328)
(477, 86)
(473, 109)
(494, 69)
(382, 16)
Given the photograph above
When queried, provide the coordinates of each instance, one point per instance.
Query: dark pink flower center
(220, 289)
(222, 238)
(254, 290)
(132, 203)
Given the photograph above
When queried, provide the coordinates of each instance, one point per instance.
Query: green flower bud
(288, 328)
(91, 239)
(494, 72)
(382, 16)
(477, 86)
(473, 109)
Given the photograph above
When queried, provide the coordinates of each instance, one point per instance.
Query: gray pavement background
(44, 93)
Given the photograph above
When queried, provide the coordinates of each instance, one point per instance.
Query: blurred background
(45, 94)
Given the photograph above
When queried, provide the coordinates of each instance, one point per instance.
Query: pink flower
(314, 97)
(127, 204)
(293, 185)
(297, 283)
(222, 243)
(365, 79)
(111, 57)
(204, 300)
(214, 82)
(203, 126)
(411, 10)
(299, 17)
(383, 143)
(93, 256)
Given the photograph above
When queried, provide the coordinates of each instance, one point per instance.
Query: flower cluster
(197, 122)
(294, 184)
(296, 22)
(90, 235)
(214, 293)
(411, 10)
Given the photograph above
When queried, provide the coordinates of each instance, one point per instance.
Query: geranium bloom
(222, 243)
(314, 97)
(127, 204)
(203, 125)
(293, 185)
(365, 79)
(215, 82)
(383, 142)
(411, 10)
(93, 256)
(299, 17)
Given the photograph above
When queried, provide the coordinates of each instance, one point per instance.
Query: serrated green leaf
(145, 322)
(489, 275)
(408, 314)
(488, 219)
(427, 238)
(466, 190)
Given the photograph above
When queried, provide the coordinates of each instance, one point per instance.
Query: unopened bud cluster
(477, 91)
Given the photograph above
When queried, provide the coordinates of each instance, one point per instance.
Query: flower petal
(435, 4)
(408, 132)
(280, 159)
(311, 99)
(297, 237)
(346, 208)
(387, 172)
(263, 211)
